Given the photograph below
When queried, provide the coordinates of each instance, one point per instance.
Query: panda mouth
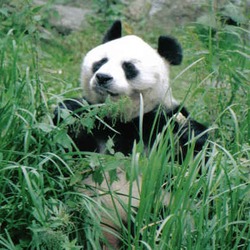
(112, 94)
(104, 91)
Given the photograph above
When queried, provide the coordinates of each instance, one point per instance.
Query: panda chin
(112, 94)
(104, 92)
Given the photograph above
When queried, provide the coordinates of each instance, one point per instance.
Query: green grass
(40, 206)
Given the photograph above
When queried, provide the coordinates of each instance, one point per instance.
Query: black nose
(103, 79)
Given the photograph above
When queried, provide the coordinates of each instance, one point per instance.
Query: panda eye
(97, 65)
(130, 70)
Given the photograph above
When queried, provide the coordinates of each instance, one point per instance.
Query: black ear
(114, 32)
(170, 49)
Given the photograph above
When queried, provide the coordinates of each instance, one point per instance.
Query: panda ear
(170, 49)
(114, 32)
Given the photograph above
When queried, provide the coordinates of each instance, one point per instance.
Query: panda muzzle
(103, 84)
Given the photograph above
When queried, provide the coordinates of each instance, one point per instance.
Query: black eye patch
(97, 65)
(130, 70)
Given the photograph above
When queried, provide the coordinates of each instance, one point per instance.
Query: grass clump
(40, 207)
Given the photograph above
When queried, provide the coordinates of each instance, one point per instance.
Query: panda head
(128, 66)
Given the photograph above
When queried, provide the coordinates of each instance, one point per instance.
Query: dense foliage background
(40, 206)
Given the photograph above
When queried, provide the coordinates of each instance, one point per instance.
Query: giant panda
(128, 67)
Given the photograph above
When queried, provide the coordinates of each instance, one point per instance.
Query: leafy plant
(41, 206)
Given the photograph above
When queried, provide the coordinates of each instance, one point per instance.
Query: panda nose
(103, 79)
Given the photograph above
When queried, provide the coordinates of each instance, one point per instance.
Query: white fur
(152, 81)
(115, 197)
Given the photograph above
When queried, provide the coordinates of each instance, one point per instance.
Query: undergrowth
(40, 206)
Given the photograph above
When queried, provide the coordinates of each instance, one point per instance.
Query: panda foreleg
(188, 131)
(72, 105)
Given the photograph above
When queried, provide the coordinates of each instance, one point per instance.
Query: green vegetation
(40, 204)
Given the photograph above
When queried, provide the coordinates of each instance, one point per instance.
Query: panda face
(127, 67)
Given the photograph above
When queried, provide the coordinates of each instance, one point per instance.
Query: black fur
(114, 32)
(97, 65)
(130, 70)
(129, 131)
(170, 49)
